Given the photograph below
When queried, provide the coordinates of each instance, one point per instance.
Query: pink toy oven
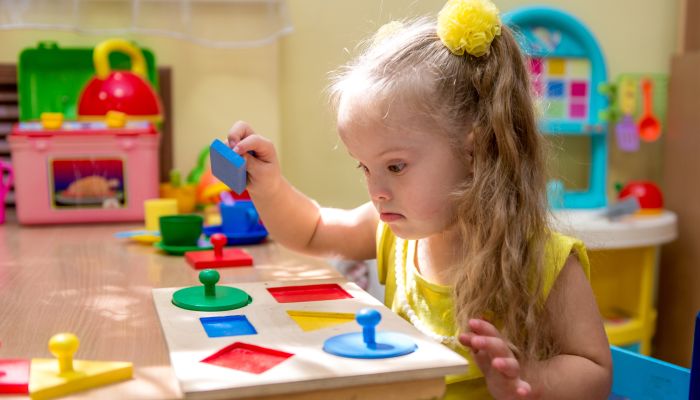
(83, 172)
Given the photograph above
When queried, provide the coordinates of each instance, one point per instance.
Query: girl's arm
(292, 218)
(582, 370)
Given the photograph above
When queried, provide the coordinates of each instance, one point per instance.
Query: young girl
(440, 118)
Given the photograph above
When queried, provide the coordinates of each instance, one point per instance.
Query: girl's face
(410, 171)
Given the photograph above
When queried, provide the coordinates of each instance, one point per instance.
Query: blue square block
(231, 325)
(227, 166)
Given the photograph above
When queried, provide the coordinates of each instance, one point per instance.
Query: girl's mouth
(389, 217)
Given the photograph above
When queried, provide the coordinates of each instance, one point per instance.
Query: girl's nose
(377, 191)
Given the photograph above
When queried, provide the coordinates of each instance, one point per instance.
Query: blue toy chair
(639, 377)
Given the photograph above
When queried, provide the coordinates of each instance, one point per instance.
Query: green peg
(209, 296)
(209, 278)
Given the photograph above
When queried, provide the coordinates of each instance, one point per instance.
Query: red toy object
(247, 357)
(124, 91)
(219, 257)
(14, 376)
(305, 293)
(650, 198)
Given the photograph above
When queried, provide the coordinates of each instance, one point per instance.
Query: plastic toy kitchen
(86, 149)
(567, 66)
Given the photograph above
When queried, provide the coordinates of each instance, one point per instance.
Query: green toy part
(209, 296)
(196, 173)
(61, 73)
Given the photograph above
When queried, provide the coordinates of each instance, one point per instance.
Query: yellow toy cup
(156, 208)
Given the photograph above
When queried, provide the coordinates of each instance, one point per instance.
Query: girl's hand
(264, 174)
(495, 359)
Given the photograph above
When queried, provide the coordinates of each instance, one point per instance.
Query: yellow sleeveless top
(433, 304)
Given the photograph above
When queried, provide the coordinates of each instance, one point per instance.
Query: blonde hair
(502, 209)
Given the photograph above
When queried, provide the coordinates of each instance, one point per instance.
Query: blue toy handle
(252, 216)
(368, 318)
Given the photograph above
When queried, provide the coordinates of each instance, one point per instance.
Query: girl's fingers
(239, 131)
(262, 149)
(523, 389)
(494, 346)
(508, 366)
(482, 327)
(482, 358)
(465, 339)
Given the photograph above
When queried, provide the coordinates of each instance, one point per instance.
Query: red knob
(218, 240)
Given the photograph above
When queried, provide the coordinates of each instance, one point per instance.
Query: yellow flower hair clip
(468, 25)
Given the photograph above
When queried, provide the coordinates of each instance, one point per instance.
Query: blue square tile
(231, 325)
(228, 166)
(555, 89)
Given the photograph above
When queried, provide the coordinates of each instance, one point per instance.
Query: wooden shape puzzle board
(309, 368)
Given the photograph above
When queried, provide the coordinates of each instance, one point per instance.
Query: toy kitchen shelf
(624, 258)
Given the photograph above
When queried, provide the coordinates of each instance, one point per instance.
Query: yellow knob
(63, 346)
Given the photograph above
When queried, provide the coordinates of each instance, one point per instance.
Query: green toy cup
(181, 230)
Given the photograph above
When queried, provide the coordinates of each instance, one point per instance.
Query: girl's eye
(396, 168)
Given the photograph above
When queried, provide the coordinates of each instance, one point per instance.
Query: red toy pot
(124, 91)
(649, 195)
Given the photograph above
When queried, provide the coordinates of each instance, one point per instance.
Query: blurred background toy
(649, 125)
(125, 91)
(567, 66)
(650, 198)
(153, 210)
(101, 170)
(240, 222)
(185, 194)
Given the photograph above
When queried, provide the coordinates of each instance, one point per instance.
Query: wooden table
(80, 279)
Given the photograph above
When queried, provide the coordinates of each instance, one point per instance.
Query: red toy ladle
(649, 126)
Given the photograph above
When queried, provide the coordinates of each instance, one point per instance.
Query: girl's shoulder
(557, 250)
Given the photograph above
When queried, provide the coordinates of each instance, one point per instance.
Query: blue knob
(368, 318)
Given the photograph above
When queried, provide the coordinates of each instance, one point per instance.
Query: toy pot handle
(100, 56)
